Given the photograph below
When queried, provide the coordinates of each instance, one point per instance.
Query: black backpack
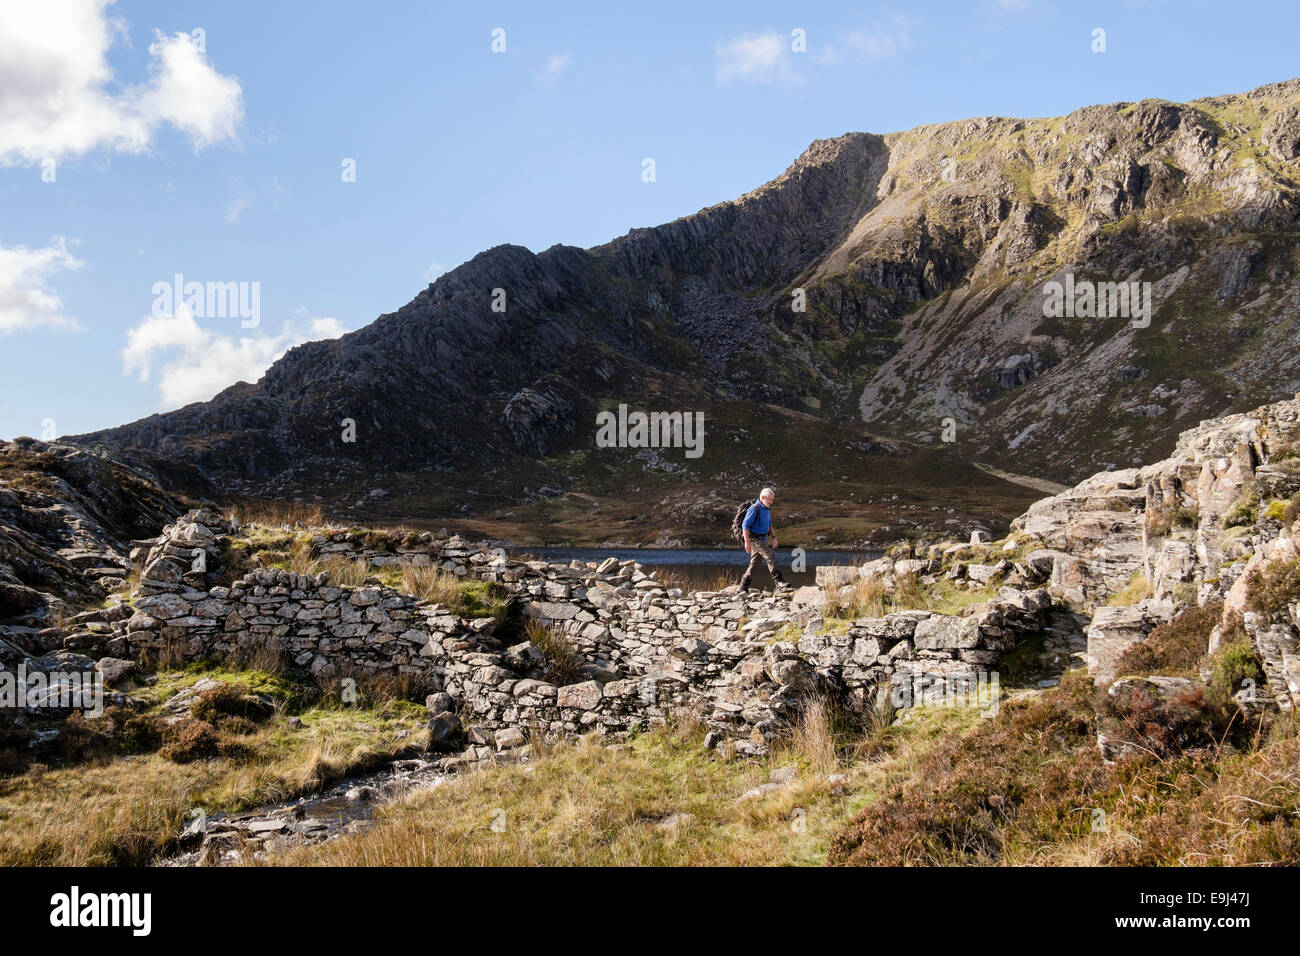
(737, 522)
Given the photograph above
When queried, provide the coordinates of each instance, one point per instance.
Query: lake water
(702, 567)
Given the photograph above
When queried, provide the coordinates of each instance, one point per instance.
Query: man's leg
(754, 558)
(764, 550)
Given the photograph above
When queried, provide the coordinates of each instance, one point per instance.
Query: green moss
(1137, 589)
(482, 599)
(258, 681)
(788, 632)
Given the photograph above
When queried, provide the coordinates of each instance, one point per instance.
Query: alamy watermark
(133, 911)
(52, 690)
(982, 689)
(626, 429)
(1086, 299)
(209, 300)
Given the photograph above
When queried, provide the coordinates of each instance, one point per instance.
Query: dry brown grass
(343, 572)
(1137, 589)
(434, 585)
(268, 657)
(662, 800)
(871, 597)
(273, 514)
(562, 662)
(816, 738)
(690, 583)
(466, 596)
(125, 810)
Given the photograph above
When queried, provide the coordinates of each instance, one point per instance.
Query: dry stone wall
(742, 663)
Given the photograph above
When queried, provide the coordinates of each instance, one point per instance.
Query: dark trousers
(760, 550)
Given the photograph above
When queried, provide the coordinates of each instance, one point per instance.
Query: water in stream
(229, 838)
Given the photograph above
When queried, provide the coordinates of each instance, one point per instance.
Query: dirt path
(1025, 481)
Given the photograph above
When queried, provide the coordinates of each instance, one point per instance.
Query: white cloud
(235, 207)
(193, 363)
(756, 58)
(185, 91)
(556, 66)
(26, 300)
(882, 40)
(325, 327)
(59, 97)
(433, 270)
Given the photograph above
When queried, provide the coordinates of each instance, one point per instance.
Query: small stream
(347, 807)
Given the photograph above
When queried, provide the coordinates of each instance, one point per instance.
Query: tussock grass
(1137, 589)
(270, 513)
(872, 597)
(433, 585)
(815, 737)
(468, 597)
(562, 662)
(343, 572)
(690, 583)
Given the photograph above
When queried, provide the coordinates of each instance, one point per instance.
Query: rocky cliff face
(921, 260)
(1212, 529)
(67, 521)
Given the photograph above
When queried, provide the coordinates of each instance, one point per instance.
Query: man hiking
(756, 526)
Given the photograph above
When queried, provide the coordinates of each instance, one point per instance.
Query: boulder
(115, 671)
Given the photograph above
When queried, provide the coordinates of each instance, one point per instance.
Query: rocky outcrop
(68, 519)
(1125, 551)
(535, 419)
(1092, 534)
(1189, 529)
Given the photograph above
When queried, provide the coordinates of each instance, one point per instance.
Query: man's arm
(748, 545)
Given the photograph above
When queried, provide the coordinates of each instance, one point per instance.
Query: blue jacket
(758, 519)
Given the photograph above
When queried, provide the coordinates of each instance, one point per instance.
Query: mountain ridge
(921, 256)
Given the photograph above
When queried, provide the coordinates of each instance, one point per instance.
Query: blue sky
(225, 163)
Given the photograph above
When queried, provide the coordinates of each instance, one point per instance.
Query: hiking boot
(743, 586)
(781, 584)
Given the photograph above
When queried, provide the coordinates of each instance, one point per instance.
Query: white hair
(766, 492)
